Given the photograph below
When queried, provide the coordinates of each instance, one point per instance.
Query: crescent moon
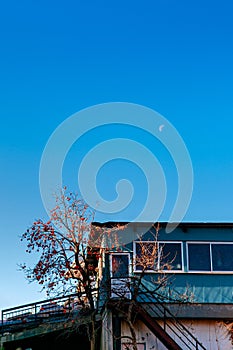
(161, 127)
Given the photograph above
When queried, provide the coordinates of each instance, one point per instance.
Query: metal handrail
(18, 309)
(165, 314)
(15, 317)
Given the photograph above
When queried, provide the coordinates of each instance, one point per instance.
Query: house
(193, 307)
(157, 291)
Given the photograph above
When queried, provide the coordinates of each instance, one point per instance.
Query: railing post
(35, 313)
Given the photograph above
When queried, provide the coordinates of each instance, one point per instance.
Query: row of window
(209, 257)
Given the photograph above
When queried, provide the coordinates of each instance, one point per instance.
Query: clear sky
(58, 57)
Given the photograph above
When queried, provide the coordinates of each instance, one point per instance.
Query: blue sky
(60, 57)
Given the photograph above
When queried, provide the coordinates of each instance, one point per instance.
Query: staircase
(157, 330)
(170, 331)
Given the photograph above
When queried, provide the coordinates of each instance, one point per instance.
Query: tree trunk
(93, 333)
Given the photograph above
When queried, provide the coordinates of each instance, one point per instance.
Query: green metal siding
(206, 287)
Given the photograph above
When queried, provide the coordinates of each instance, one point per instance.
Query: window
(146, 256)
(155, 256)
(120, 270)
(199, 257)
(170, 256)
(222, 257)
(210, 257)
(119, 265)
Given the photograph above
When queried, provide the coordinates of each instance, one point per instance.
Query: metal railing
(171, 325)
(49, 310)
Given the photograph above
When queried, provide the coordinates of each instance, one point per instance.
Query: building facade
(197, 259)
(156, 291)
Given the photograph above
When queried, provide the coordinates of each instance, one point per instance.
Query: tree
(67, 250)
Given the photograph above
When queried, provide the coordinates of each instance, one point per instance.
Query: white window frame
(120, 283)
(211, 271)
(120, 253)
(158, 263)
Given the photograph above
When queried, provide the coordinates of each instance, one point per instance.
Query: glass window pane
(199, 257)
(120, 265)
(170, 256)
(222, 257)
(146, 256)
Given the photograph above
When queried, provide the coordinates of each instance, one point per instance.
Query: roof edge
(187, 224)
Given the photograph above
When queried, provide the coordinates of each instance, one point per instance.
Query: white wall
(212, 334)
